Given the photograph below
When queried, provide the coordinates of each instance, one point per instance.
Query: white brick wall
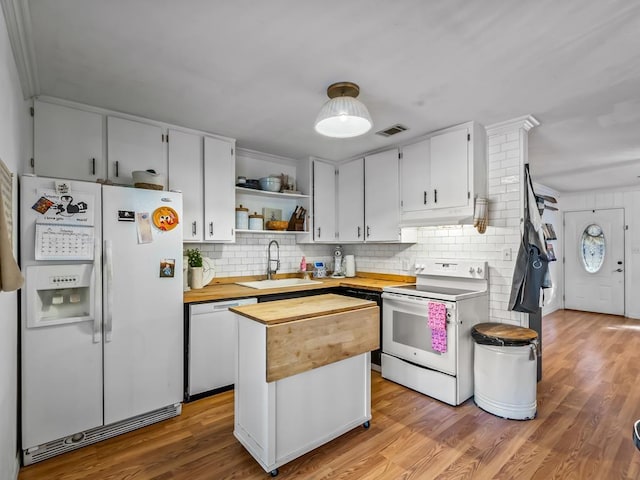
(248, 256)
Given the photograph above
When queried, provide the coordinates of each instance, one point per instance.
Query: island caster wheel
(274, 472)
(366, 424)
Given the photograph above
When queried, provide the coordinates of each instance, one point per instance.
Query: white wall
(14, 141)
(629, 200)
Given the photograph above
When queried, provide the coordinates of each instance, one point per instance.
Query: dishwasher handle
(215, 307)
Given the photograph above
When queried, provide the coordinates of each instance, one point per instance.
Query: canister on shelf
(242, 218)
(256, 221)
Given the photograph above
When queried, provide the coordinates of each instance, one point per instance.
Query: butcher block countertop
(282, 311)
(225, 288)
(311, 332)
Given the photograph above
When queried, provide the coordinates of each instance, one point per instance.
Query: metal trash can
(505, 370)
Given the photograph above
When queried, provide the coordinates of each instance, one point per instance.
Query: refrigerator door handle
(97, 310)
(108, 260)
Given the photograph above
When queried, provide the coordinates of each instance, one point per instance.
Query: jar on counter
(242, 218)
(256, 222)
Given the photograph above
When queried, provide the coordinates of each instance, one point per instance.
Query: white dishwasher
(212, 347)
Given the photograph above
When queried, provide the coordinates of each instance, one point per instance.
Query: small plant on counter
(195, 258)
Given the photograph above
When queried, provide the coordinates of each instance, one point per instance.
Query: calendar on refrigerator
(64, 242)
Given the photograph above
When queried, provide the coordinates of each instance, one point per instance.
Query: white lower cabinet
(282, 420)
(212, 345)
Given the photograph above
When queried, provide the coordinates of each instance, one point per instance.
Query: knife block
(295, 224)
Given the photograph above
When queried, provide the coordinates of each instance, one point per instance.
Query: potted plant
(195, 268)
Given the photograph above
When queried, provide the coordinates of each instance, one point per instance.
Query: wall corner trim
(18, 20)
(526, 123)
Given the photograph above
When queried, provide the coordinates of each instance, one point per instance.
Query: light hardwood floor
(588, 399)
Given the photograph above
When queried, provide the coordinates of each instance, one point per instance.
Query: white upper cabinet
(351, 201)
(185, 174)
(415, 166)
(132, 146)
(382, 197)
(324, 202)
(219, 190)
(68, 142)
(442, 175)
(449, 162)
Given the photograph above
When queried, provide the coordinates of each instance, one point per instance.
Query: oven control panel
(452, 268)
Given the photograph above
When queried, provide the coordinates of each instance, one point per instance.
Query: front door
(594, 261)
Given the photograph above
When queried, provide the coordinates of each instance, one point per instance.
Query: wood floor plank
(588, 399)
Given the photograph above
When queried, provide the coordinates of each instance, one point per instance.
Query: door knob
(618, 270)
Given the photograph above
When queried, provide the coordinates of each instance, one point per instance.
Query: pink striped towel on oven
(438, 326)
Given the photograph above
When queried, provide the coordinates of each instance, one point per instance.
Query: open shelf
(264, 193)
(276, 232)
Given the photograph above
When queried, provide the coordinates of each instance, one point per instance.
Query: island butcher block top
(307, 333)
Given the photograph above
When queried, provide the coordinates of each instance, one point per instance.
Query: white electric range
(408, 355)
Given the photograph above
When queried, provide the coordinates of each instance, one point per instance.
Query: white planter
(195, 274)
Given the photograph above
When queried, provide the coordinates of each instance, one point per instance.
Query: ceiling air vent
(392, 130)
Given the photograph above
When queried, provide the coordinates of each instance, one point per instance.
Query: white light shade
(343, 117)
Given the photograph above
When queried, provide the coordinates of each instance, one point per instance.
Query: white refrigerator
(101, 327)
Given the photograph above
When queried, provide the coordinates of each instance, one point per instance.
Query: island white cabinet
(382, 197)
(351, 201)
(219, 190)
(442, 175)
(185, 174)
(303, 374)
(133, 145)
(68, 142)
(324, 201)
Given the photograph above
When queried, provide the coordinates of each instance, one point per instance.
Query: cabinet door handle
(368, 231)
(117, 168)
(425, 197)
(193, 229)
(358, 231)
(93, 166)
(211, 228)
(435, 196)
(318, 232)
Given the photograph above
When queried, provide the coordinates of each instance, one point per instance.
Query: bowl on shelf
(270, 184)
(277, 225)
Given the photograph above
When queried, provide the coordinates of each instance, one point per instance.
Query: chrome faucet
(269, 259)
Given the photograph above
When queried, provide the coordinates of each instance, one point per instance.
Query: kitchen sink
(282, 282)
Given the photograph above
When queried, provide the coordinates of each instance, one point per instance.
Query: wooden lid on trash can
(503, 334)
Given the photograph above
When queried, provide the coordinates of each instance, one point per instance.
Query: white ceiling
(258, 71)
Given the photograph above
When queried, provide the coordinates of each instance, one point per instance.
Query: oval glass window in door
(592, 248)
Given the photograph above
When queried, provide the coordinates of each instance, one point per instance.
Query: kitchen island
(302, 374)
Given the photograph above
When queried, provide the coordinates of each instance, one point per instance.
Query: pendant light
(343, 116)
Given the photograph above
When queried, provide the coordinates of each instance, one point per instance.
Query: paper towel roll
(350, 266)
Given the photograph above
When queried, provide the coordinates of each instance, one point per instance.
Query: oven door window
(411, 330)
(406, 335)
